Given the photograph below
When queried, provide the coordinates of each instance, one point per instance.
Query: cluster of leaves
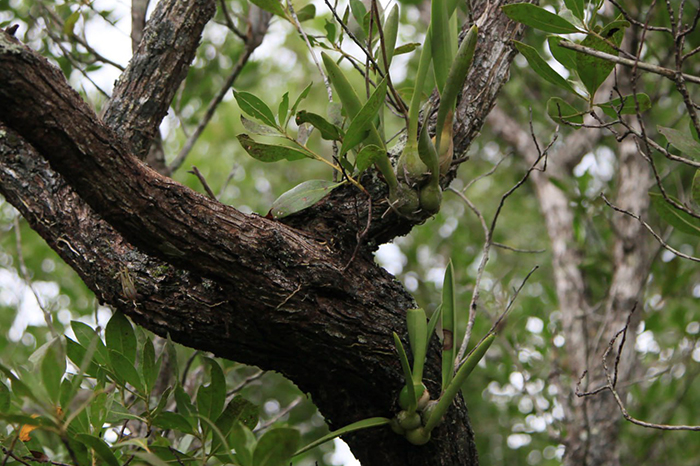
(109, 406)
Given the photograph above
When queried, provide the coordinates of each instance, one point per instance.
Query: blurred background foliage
(512, 404)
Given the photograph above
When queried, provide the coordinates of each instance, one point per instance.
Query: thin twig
(279, 415)
(195, 171)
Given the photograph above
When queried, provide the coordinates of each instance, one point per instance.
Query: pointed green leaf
(359, 125)
(368, 156)
(625, 105)
(283, 109)
(682, 221)
(174, 421)
(559, 110)
(301, 97)
(256, 128)
(359, 425)
(276, 447)
(269, 152)
(4, 398)
(211, 398)
(100, 447)
(441, 47)
(406, 48)
(449, 327)
(69, 25)
(328, 130)
(331, 31)
(577, 7)
(593, 71)
(243, 441)
(238, 410)
(358, 10)
(77, 353)
(125, 370)
(87, 337)
(301, 196)
(682, 141)
(149, 368)
(538, 18)
(407, 373)
(120, 336)
(566, 57)
(390, 30)
(271, 6)
(417, 323)
(306, 13)
(695, 189)
(53, 366)
(255, 107)
(541, 67)
(184, 403)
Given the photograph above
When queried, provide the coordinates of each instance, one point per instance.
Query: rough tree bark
(244, 287)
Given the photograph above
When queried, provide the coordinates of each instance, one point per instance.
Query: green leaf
(269, 152)
(149, 368)
(184, 404)
(407, 373)
(238, 410)
(625, 105)
(87, 336)
(4, 398)
(577, 7)
(359, 425)
(53, 366)
(566, 57)
(538, 18)
(301, 196)
(120, 336)
(559, 110)
(283, 109)
(358, 10)
(76, 353)
(306, 13)
(257, 128)
(684, 142)
(593, 71)
(357, 131)
(682, 221)
(449, 325)
(125, 370)
(331, 31)
(211, 398)
(243, 441)
(276, 447)
(100, 447)
(695, 188)
(301, 97)
(328, 130)
(19, 388)
(541, 67)
(173, 421)
(99, 409)
(368, 156)
(441, 47)
(406, 48)
(255, 107)
(69, 25)
(271, 6)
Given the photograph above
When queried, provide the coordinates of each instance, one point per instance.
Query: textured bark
(241, 286)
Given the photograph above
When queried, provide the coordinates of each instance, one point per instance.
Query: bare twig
(195, 171)
(279, 415)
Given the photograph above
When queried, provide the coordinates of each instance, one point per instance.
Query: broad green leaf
(625, 105)
(368, 156)
(331, 31)
(538, 18)
(255, 107)
(276, 447)
(283, 109)
(4, 398)
(243, 441)
(99, 409)
(559, 110)
(577, 7)
(359, 425)
(19, 388)
(174, 421)
(449, 325)
(301, 97)
(149, 368)
(120, 337)
(682, 221)
(357, 131)
(441, 47)
(211, 398)
(184, 403)
(564, 56)
(328, 130)
(541, 67)
(238, 410)
(100, 447)
(271, 6)
(593, 71)
(125, 370)
(301, 196)
(53, 366)
(257, 128)
(695, 189)
(269, 152)
(86, 335)
(682, 141)
(76, 353)
(306, 13)
(406, 48)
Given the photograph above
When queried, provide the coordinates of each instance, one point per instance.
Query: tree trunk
(277, 295)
